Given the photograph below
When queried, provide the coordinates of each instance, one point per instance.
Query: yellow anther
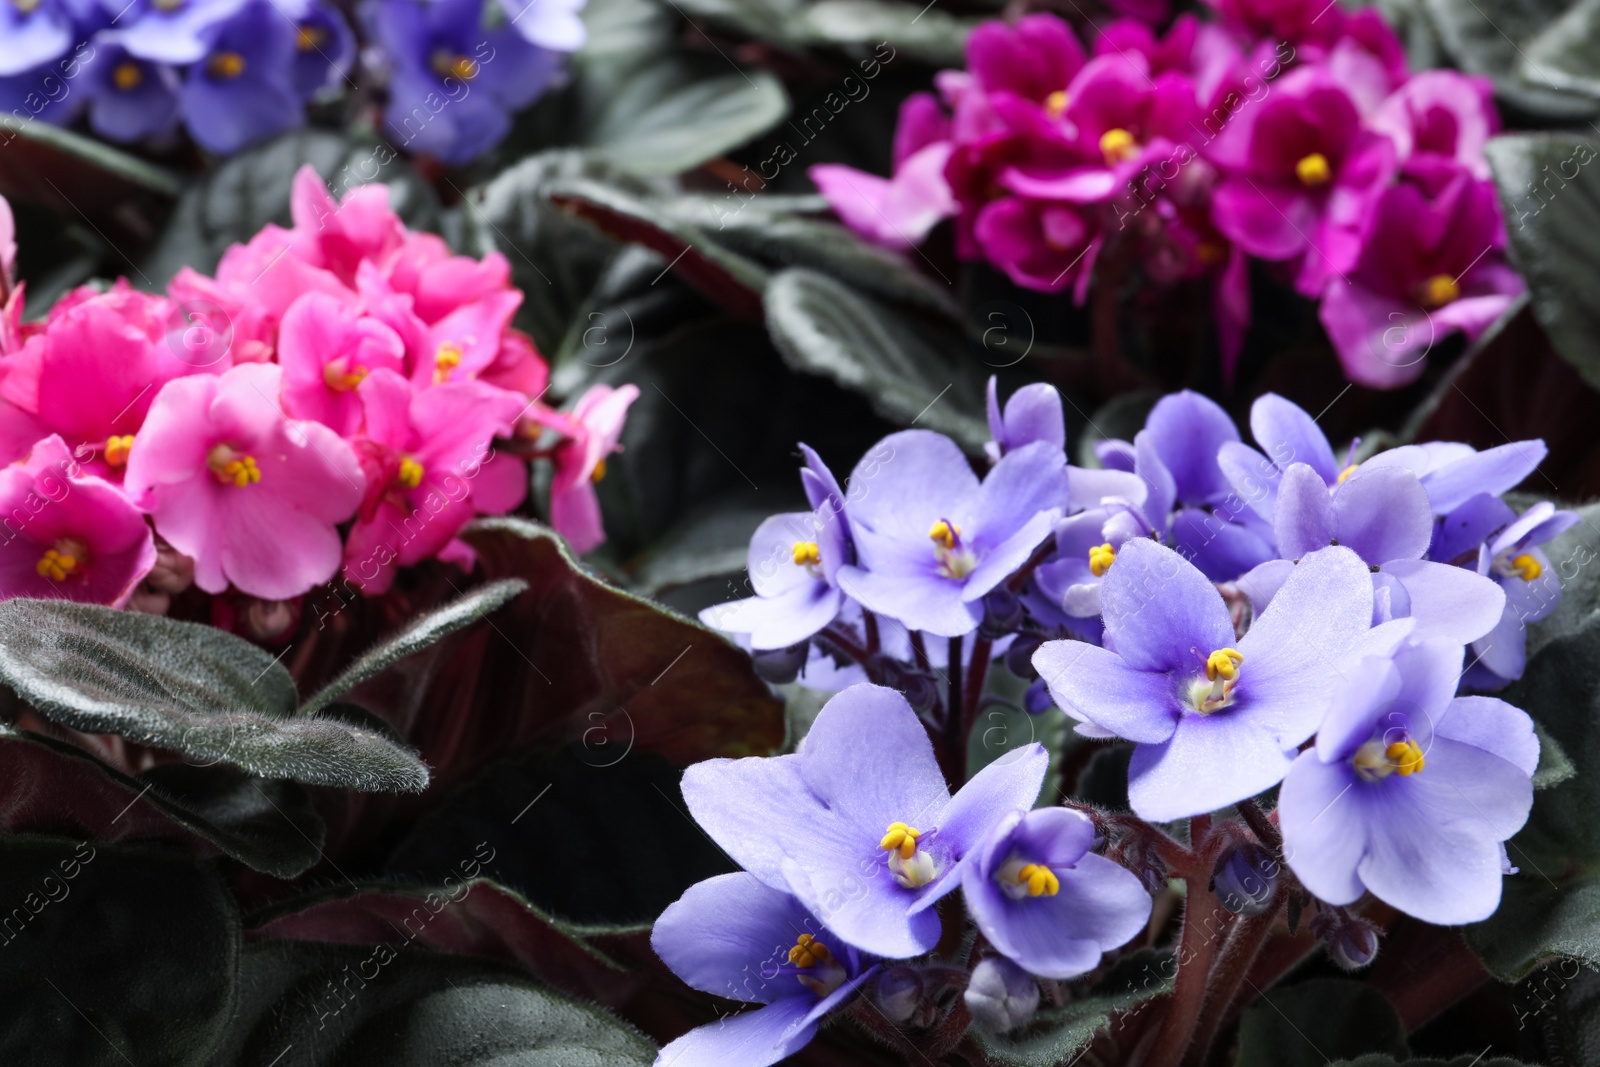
(1118, 146)
(232, 468)
(225, 65)
(1223, 663)
(454, 65)
(410, 474)
(807, 554)
(1405, 756)
(117, 449)
(447, 359)
(1347, 472)
(342, 381)
(599, 471)
(26, 7)
(945, 533)
(1527, 567)
(166, 5)
(902, 839)
(1055, 104)
(809, 952)
(310, 38)
(1313, 170)
(127, 76)
(59, 562)
(1440, 290)
(1040, 880)
(1101, 557)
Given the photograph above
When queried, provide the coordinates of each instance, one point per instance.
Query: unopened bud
(1037, 701)
(1002, 614)
(267, 620)
(173, 572)
(1001, 995)
(1246, 879)
(1019, 657)
(897, 993)
(1352, 943)
(780, 665)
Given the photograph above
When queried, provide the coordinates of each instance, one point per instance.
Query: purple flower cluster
(1284, 130)
(1250, 620)
(233, 72)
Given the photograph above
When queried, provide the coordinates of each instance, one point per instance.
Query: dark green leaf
(681, 110)
(49, 786)
(910, 376)
(1566, 53)
(1482, 37)
(423, 630)
(113, 955)
(1307, 1024)
(854, 26)
(712, 541)
(318, 1005)
(188, 687)
(251, 189)
(1552, 203)
(1554, 766)
(1056, 1036)
(59, 169)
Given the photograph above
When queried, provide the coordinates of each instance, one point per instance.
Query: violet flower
(897, 212)
(931, 540)
(129, 98)
(1032, 413)
(1410, 790)
(33, 34)
(1453, 473)
(1216, 718)
(242, 89)
(858, 824)
(734, 937)
(1044, 900)
(1444, 113)
(172, 31)
(1288, 435)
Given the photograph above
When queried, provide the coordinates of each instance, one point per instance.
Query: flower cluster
(1290, 132)
(1248, 620)
(232, 72)
(328, 403)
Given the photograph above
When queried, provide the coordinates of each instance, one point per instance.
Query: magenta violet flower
(931, 539)
(1410, 790)
(69, 535)
(326, 350)
(593, 428)
(867, 844)
(250, 495)
(1044, 900)
(735, 937)
(1216, 718)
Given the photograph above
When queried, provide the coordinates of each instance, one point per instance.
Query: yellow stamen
(310, 38)
(410, 474)
(807, 554)
(1347, 472)
(117, 449)
(232, 468)
(225, 65)
(127, 77)
(1527, 567)
(902, 839)
(599, 471)
(447, 359)
(1223, 663)
(1118, 146)
(448, 65)
(1440, 290)
(1055, 105)
(26, 7)
(63, 560)
(166, 5)
(809, 952)
(945, 533)
(1406, 757)
(1041, 881)
(342, 381)
(1313, 170)
(1101, 557)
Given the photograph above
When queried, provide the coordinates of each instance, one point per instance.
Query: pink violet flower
(1442, 112)
(439, 281)
(595, 426)
(250, 495)
(69, 535)
(326, 350)
(337, 236)
(423, 453)
(897, 212)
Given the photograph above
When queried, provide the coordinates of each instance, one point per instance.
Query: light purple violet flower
(734, 937)
(1216, 719)
(32, 34)
(1086, 546)
(171, 31)
(1032, 413)
(1176, 455)
(242, 90)
(1288, 436)
(1380, 513)
(550, 24)
(1410, 789)
(858, 823)
(1044, 900)
(129, 98)
(794, 563)
(931, 540)
(1454, 473)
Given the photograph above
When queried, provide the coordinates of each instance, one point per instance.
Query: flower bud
(268, 620)
(1002, 614)
(173, 572)
(897, 993)
(1019, 657)
(1037, 701)
(920, 690)
(1001, 995)
(1352, 943)
(1246, 879)
(780, 665)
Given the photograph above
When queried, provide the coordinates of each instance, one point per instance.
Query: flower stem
(1196, 949)
(871, 622)
(954, 717)
(977, 673)
(1232, 969)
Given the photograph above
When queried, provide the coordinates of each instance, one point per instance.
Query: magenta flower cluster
(1249, 618)
(328, 404)
(1287, 131)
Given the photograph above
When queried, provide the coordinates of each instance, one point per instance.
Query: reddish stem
(1232, 971)
(1196, 949)
(977, 673)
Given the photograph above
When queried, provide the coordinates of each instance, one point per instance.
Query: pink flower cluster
(1286, 130)
(328, 404)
